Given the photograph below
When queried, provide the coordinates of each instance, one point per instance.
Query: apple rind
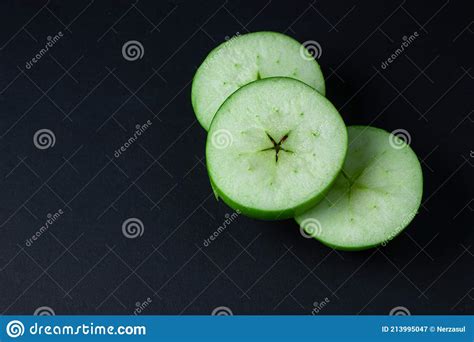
(247, 58)
(245, 171)
(375, 197)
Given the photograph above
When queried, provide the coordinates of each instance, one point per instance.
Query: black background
(84, 265)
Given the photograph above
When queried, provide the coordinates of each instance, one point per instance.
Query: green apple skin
(308, 202)
(417, 188)
(218, 67)
(268, 215)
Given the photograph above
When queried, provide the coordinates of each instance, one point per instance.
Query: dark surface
(83, 264)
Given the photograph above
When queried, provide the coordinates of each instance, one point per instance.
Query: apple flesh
(274, 148)
(374, 198)
(245, 59)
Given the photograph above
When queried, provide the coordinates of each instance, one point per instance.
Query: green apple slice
(274, 148)
(245, 59)
(374, 198)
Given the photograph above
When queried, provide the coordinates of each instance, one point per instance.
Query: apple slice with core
(247, 58)
(274, 148)
(376, 195)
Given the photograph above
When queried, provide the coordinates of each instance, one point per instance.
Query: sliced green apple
(374, 198)
(274, 148)
(247, 58)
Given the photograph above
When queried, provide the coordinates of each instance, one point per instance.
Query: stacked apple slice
(277, 148)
